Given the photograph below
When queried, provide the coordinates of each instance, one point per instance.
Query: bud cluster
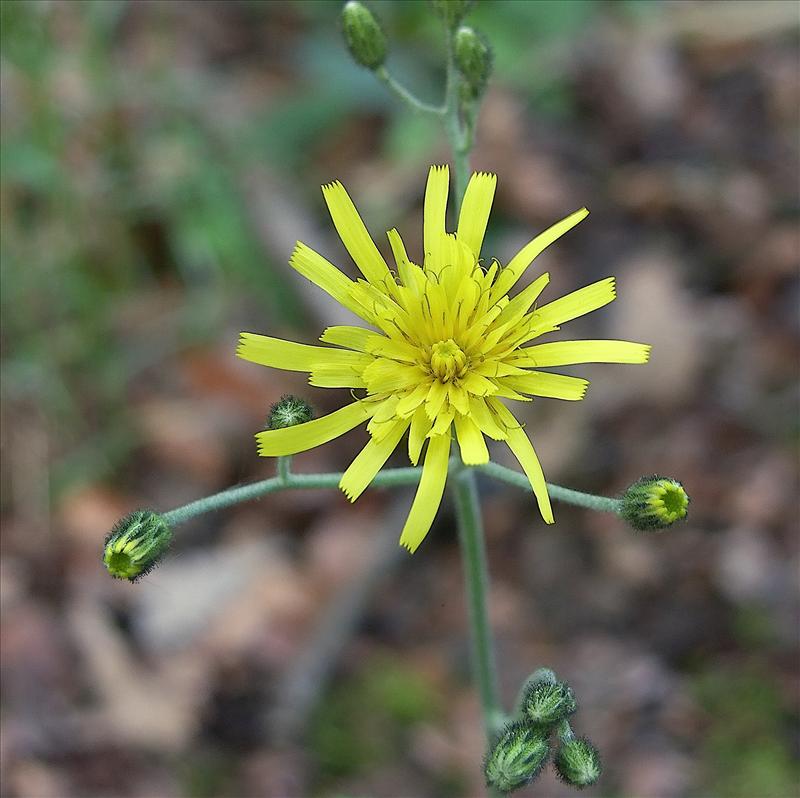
(523, 747)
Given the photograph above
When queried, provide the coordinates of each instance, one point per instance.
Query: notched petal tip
(351, 496)
(334, 185)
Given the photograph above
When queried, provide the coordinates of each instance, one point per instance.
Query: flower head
(444, 347)
(288, 411)
(578, 763)
(517, 757)
(654, 503)
(136, 544)
(548, 702)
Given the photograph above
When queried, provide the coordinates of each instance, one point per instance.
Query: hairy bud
(287, 412)
(452, 11)
(653, 503)
(136, 544)
(363, 35)
(516, 758)
(578, 763)
(474, 60)
(547, 702)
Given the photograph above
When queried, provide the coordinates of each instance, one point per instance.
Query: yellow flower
(447, 346)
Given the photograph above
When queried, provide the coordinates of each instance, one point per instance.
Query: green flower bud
(517, 757)
(654, 503)
(287, 412)
(546, 703)
(473, 59)
(452, 11)
(136, 544)
(578, 763)
(363, 35)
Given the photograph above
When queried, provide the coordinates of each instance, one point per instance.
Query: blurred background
(159, 160)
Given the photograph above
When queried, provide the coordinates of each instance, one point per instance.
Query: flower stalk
(386, 478)
(476, 577)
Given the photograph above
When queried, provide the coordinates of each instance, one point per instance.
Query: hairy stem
(405, 96)
(286, 480)
(476, 578)
(389, 478)
(587, 500)
(460, 143)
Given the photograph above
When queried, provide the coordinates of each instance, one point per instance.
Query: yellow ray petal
(385, 376)
(523, 450)
(470, 441)
(505, 391)
(458, 398)
(570, 306)
(429, 493)
(435, 210)
(554, 386)
(410, 274)
(383, 418)
(291, 440)
(354, 235)
(370, 460)
(436, 398)
(521, 303)
(412, 400)
(395, 349)
(566, 353)
(442, 423)
(520, 262)
(291, 356)
(420, 427)
(485, 419)
(328, 376)
(477, 385)
(325, 275)
(357, 338)
(475, 210)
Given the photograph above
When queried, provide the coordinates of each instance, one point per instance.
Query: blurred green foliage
(367, 718)
(745, 751)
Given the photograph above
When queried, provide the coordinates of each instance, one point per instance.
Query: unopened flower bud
(578, 763)
(517, 757)
(452, 11)
(363, 35)
(473, 59)
(136, 544)
(654, 503)
(546, 703)
(287, 412)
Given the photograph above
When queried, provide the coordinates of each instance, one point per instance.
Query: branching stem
(387, 478)
(405, 96)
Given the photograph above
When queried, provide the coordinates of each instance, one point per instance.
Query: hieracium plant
(442, 342)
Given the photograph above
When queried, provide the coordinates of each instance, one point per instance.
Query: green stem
(564, 731)
(460, 142)
(405, 96)
(284, 468)
(389, 478)
(587, 500)
(476, 577)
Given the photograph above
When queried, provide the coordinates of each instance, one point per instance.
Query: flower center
(447, 360)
